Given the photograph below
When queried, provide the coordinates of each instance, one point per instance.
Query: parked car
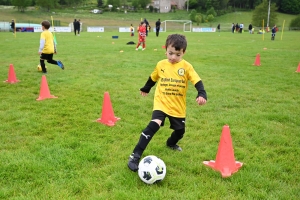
(96, 11)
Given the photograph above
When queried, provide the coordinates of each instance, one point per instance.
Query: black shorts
(46, 56)
(175, 123)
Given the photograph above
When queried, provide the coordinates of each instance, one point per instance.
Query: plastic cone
(44, 91)
(225, 162)
(298, 69)
(108, 117)
(257, 60)
(11, 75)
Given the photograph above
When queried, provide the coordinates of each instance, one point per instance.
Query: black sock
(175, 137)
(54, 62)
(42, 63)
(146, 137)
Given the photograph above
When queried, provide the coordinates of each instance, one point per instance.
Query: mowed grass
(54, 149)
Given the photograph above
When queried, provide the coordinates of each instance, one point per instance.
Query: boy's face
(173, 55)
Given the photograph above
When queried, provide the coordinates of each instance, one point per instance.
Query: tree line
(284, 6)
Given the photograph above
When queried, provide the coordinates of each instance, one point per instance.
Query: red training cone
(257, 60)
(298, 69)
(108, 117)
(11, 75)
(44, 91)
(225, 162)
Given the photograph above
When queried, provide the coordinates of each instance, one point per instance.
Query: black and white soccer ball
(152, 169)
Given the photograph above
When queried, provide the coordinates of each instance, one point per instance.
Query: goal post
(176, 25)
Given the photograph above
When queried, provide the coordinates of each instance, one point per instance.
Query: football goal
(176, 25)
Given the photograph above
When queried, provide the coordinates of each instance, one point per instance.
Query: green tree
(261, 13)
(144, 3)
(211, 11)
(114, 3)
(5, 2)
(209, 18)
(290, 6)
(21, 4)
(208, 4)
(295, 23)
(193, 4)
(199, 19)
(99, 3)
(135, 4)
(48, 4)
(193, 15)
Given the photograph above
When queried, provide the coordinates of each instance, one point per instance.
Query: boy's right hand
(143, 93)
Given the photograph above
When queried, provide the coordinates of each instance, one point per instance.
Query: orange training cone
(11, 75)
(108, 117)
(44, 91)
(298, 69)
(257, 60)
(225, 162)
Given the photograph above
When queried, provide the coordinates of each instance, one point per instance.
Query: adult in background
(147, 26)
(157, 25)
(233, 27)
(12, 26)
(75, 26)
(237, 27)
(241, 27)
(250, 28)
(219, 27)
(78, 27)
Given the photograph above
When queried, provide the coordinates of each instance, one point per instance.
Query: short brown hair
(177, 41)
(46, 24)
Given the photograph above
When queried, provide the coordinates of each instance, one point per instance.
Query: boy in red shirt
(142, 36)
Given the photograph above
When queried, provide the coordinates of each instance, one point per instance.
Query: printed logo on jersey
(181, 71)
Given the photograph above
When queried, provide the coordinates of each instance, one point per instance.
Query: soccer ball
(140, 47)
(152, 169)
(39, 68)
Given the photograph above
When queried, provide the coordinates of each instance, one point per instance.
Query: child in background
(274, 29)
(47, 48)
(142, 36)
(172, 76)
(131, 30)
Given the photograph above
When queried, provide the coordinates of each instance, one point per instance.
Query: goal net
(176, 25)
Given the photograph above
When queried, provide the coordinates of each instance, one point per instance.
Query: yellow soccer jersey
(172, 85)
(49, 44)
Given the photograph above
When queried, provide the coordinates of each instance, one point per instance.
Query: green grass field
(54, 149)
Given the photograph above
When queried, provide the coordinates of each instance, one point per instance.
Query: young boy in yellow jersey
(47, 48)
(172, 76)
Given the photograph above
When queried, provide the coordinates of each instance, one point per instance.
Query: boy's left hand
(201, 101)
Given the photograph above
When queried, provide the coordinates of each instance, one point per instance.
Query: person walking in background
(78, 27)
(157, 25)
(250, 28)
(12, 26)
(47, 48)
(219, 28)
(142, 36)
(233, 27)
(75, 26)
(172, 76)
